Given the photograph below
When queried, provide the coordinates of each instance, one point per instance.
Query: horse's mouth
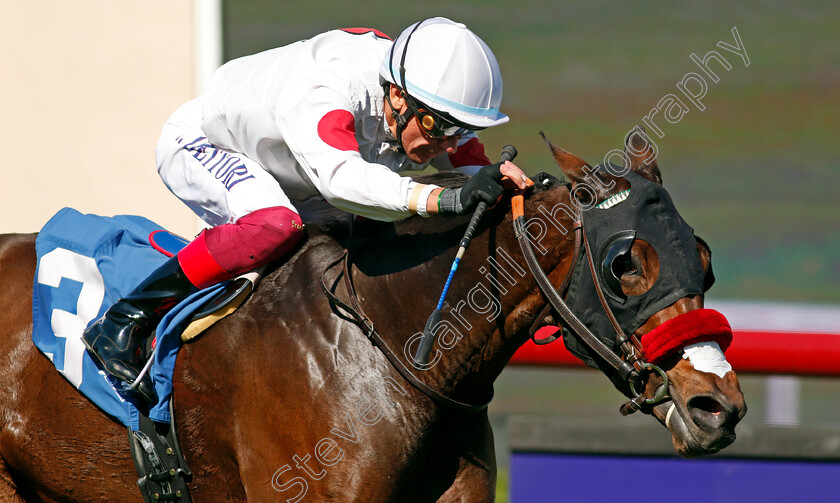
(689, 439)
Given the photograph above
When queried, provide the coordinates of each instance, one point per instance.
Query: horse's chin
(689, 440)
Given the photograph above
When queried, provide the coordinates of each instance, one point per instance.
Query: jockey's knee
(256, 239)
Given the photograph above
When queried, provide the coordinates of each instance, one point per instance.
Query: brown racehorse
(287, 400)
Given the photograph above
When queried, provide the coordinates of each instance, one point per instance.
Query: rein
(632, 366)
(365, 323)
(563, 286)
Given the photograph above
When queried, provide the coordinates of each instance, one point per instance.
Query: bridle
(630, 364)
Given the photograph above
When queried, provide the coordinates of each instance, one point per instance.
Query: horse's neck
(489, 300)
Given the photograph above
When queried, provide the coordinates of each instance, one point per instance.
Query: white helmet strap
(402, 57)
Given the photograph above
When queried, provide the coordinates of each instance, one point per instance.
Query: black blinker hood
(647, 214)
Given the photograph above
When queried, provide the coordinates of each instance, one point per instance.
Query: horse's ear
(642, 154)
(579, 171)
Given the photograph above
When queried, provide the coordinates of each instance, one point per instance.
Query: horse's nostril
(708, 413)
(706, 404)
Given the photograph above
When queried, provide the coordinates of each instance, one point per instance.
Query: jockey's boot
(118, 339)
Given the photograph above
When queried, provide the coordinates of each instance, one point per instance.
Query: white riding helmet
(449, 69)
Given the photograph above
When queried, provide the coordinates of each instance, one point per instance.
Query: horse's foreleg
(474, 483)
(471, 440)
(8, 488)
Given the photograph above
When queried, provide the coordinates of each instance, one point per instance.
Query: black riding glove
(486, 186)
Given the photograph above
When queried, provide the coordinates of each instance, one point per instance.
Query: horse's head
(637, 285)
(632, 272)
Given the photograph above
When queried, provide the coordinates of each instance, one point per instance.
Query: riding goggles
(434, 124)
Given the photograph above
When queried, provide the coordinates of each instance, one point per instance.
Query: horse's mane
(380, 248)
(384, 247)
(363, 227)
(387, 246)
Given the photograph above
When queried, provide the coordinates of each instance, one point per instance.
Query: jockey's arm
(323, 141)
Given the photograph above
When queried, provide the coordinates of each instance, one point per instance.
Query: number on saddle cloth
(82, 270)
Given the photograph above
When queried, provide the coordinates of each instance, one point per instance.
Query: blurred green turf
(755, 172)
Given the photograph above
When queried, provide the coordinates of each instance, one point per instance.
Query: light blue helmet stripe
(426, 97)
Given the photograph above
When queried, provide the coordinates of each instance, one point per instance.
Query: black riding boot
(118, 339)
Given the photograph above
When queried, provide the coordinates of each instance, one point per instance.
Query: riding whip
(421, 357)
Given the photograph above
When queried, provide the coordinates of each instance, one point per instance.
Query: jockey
(312, 132)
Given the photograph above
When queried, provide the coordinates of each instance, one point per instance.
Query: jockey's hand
(485, 186)
(514, 178)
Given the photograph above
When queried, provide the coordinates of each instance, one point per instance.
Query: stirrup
(135, 386)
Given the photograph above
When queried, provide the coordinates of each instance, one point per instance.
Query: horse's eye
(616, 260)
(709, 278)
(626, 272)
(625, 264)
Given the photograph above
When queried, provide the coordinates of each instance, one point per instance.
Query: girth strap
(360, 318)
(162, 470)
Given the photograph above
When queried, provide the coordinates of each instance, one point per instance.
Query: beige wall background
(85, 87)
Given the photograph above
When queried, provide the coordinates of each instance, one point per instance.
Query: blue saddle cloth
(85, 264)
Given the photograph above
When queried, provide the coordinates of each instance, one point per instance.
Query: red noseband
(700, 325)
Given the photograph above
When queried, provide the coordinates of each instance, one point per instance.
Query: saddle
(85, 263)
(234, 294)
(162, 471)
